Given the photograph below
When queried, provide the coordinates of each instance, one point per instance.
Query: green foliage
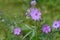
(13, 14)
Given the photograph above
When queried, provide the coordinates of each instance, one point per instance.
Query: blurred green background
(12, 13)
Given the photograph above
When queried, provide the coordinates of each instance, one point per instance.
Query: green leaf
(33, 34)
(27, 34)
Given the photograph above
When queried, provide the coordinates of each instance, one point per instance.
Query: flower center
(36, 14)
(17, 30)
(55, 24)
(46, 29)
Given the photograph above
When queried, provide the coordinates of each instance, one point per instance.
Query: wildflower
(35, 14)
(55, 24)
(46, 29)
(59, 23)
(33, 3)
(17, 31)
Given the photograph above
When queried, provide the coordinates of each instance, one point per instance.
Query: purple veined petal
(17, 31)
(46, 29)
(55, 24)
(46, 32)
(36, 17)
(35, 10)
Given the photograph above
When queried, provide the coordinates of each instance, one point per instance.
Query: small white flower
(2, 20)
(33, 3)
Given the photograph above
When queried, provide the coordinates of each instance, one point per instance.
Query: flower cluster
(35, 14)
(55, 24)
(46, 29)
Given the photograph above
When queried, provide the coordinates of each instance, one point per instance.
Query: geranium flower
(17, 31)
(35, 14)
(55, 24)
(46, 29)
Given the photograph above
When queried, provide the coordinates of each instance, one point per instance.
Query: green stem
(36, 31)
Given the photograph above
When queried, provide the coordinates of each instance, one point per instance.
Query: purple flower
(55, 24)
(35, 14)
(46, 29)
(33, 3)
(17, 31)
(59, 23)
